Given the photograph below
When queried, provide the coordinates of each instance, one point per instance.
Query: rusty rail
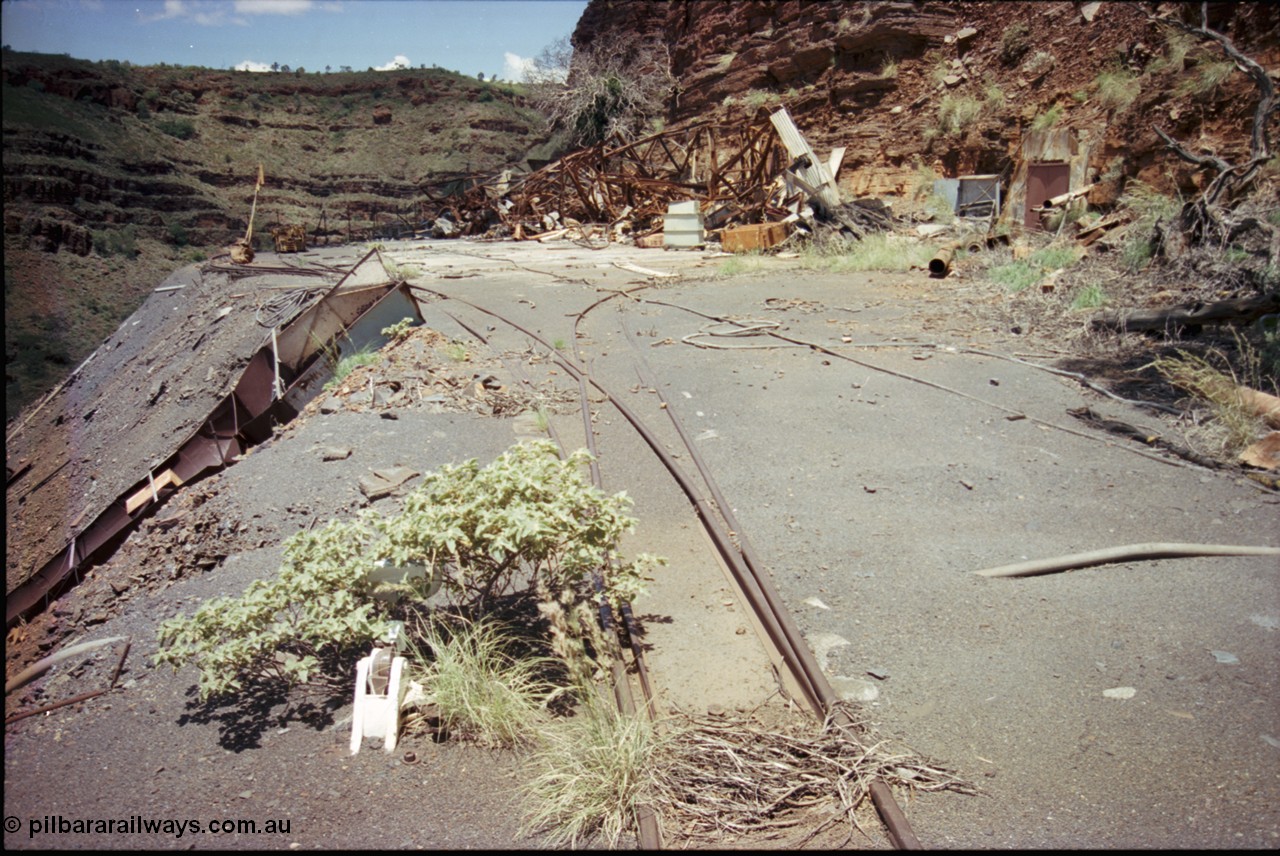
(756, 587)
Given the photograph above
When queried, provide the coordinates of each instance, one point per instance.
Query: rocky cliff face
(914, 89)
(115, 175)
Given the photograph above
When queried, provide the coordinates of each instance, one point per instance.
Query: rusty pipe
(940, 264)
(23, 714)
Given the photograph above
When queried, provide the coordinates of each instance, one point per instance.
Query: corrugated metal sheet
(812, 170)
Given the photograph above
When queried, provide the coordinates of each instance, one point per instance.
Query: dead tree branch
(1202, 218)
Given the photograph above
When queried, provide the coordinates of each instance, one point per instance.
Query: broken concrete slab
(380, 483)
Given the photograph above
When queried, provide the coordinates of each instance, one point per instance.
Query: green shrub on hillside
(1015, 42)
(183, 129)
(116, 242)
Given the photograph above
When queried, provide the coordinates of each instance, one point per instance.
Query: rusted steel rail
(649, 831)
(740, 558)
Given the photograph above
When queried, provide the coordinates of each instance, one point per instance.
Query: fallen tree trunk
(1123, 554)
(1243, 310)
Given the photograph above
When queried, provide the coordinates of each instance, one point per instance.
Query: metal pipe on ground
(940, 264)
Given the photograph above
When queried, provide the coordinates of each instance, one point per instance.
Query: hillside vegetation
(115, 175)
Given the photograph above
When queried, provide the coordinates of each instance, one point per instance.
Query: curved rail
(755, 585)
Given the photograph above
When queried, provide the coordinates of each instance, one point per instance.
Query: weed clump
(482, 688)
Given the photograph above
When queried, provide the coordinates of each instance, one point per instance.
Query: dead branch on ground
(722, 775)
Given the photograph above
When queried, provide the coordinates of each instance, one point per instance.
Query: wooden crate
(758, 236)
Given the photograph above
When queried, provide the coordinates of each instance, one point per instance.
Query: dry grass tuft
(1235, 425)
(592, 771)
(480, 690)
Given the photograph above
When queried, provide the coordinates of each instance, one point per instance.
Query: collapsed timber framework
(733, 170)
(760, 171)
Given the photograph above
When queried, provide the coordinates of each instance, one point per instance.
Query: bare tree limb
(1200, 219)
(1260, 141)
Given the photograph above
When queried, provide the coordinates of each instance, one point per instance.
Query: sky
(490, 37)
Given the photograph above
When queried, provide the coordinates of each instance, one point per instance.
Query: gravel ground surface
(872, 480)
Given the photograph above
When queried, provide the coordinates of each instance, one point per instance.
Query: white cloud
(216, 13)
(399, 62)
(207, 13)
(250, 65)
(515, 66)
(273, 7)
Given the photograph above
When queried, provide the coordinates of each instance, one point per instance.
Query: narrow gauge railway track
(800, 670)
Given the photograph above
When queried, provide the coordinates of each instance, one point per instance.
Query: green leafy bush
(284, 628)
(526, 521)
(1015, 42)
(528, 516)
(182, 129)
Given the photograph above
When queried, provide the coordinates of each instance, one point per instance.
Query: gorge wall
(914, 89)
(115, 175)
